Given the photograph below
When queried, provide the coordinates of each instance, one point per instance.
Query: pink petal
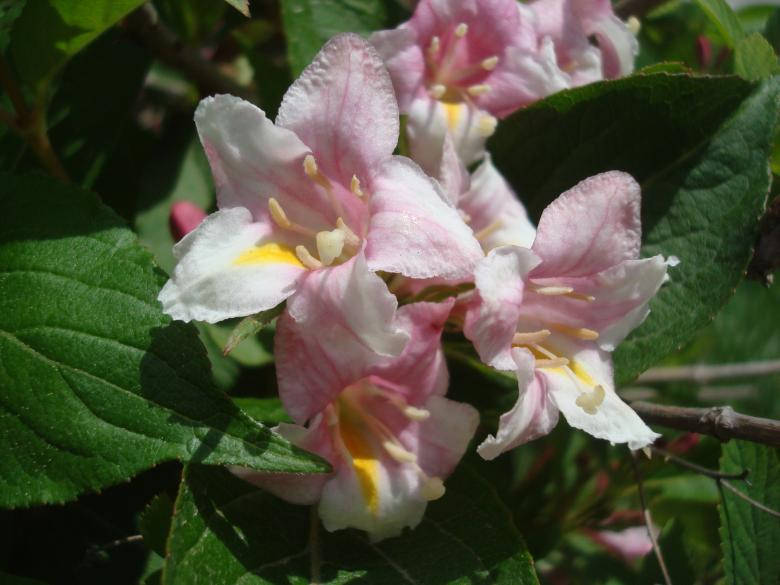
(210, 281)
(589, 228)
(338, 324)
(491, 321)
(414, 231)
(404, 59)
(453, 175)
(533, 415)
(185, 216)
(343, 107)
(630, 543)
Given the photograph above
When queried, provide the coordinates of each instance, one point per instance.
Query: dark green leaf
(9, 12)
(156, 522)
(724, 19)
(754, 58)
(97, 383)
(751, 537)
(309, 23)
(49, 32)
(772, 30)
(225, 531)
(699, 148)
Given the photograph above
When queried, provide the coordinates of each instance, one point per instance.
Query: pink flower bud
(185, 217)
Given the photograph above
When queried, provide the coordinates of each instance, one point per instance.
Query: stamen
(306, 258)
(579, 333)
(278, 214)
(633, 25)
(552, 290)
(432, 488)
(486, 125)
(479, 89)
(531, 337)
(399, 453)
(354, 186)
(461, 30)
(557, 362)
(590, 401)
(416, 414)
(486, 231)
(437, 91)
(433, 48)
(330, 245)
(313, 172)
(490, 63)
(351, 237)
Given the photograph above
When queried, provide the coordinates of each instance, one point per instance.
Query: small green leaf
(249, 326)
(49, 32)
(754, 58)
(268, 411)
(155, 522)
(750, 537)
(226, 531)
(97, 383)
(309, 23)
(724, 19)
(698, 147)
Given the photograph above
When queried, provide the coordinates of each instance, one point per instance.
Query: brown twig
(721, 422)
(145, 27)
(713, 473)
(648, 520)
(703, 373)
(30, 124)
(748, 499)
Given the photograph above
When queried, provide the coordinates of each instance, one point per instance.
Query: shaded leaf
(698, 147)
(724, 19)
(155, 522)
(9, 12)
(97, 383)
(227, 531)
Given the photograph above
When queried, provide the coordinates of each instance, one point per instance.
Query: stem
(704, 373)
(10, 86)
(145, 27)
(748, 499)
(721, 422)
(649, 521)
(713, 473)
(314, 546)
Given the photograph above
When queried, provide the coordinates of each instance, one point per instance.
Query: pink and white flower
(383, 423)
(310, 192)
(457, 65)
(554, 312)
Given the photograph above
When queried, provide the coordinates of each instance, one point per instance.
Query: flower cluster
(316, 211)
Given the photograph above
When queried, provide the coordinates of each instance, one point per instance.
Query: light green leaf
(750, 537)
(309, 23)
(724, 19)
(97, 383)
(246, 330)
(699, 148)
(49, 32)
(754, 58)
(226, 531)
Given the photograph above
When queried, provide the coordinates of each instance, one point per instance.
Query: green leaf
(9, 12)
(226, 531)
(155, 522)
(724, 19)
(772, 30)
(699, 149)
(97, 383)
(265, 410)
(750, 538)
(754, 58)
(49, 32)
(248, 327)
(309, 23)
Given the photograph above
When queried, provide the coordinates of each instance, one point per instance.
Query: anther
(633, 25)
(313, 172)
(278, 214)
(416, 414)
(479, 89)
(399, 453)
(490, 63)
(531, 337)
(354, 186)
(590, 401)
(437, 91)
(432, 488)
(486, 125)
(306, 258)
(330, 245)
(553, 290)
(557, 362)
(461, 30)
(351, 237)
(579, 333)
(433, 48)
